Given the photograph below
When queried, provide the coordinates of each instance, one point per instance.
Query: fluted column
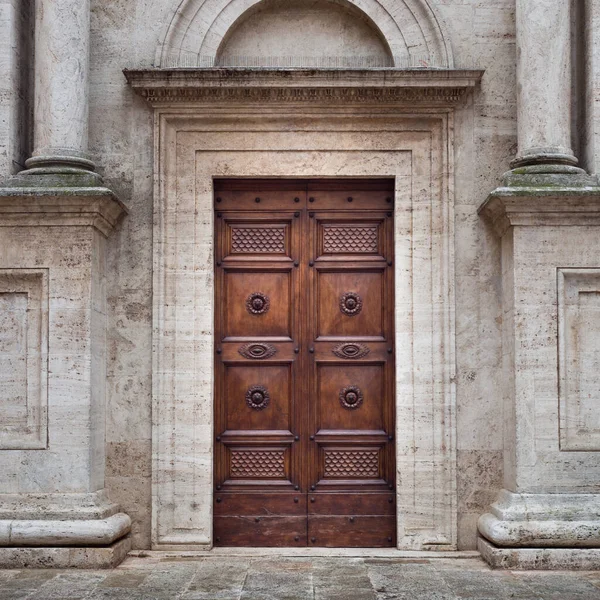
(62, 40)
(544, 82)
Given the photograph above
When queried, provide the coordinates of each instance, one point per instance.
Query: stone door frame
(200, 140)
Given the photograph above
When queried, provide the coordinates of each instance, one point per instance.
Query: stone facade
(106, 256)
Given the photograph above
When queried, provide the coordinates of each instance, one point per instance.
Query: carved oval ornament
(257, 303)
(351, 397)
(351, 304)
(257, 397)
(257, 350)
(350, 350)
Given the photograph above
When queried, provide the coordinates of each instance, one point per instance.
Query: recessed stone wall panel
(23, 359)
(579, 358)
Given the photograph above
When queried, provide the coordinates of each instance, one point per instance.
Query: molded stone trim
(325, 86)
(101, 532)
(95, 557)
(535, 206)
(543, 520)
(539, 558)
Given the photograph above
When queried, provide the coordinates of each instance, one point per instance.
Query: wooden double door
(304, 410)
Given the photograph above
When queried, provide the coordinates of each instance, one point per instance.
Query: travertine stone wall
(16, 77)
(121, 135)
(127, 33)
(64, 290)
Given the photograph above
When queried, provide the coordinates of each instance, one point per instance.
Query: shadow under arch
(414, 34)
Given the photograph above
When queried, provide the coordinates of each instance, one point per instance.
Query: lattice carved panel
(257, 464)
(258, 240)
(352, 463)
(351, 240)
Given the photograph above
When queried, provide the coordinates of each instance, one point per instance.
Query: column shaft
(544, 82)
(62, 33)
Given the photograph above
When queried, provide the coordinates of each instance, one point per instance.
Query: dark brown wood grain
(304, 360)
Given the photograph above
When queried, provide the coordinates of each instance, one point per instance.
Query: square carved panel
(23, 358)
(257, 304)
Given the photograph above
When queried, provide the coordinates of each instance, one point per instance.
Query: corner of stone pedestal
(65, 196)
(62, 530)
(543, 195)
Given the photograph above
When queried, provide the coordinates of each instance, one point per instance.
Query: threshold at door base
(312, 552)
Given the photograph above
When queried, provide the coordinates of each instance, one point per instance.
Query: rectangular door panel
(253, 464)
(257, 304)
(260, 531)
(250, 389)
(339, 239)
(359, 531)
(350, 303)
(350, 397)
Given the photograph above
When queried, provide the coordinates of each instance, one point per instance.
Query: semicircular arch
(412, 30)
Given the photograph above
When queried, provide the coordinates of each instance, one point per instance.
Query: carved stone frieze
(329, 95)
(363, 86)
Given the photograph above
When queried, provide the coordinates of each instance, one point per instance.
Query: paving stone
(274, 585)
(71, 585)
(559, 586)
(222, 578)
(171, 577)
(123, 579)
(218, 580)
(490, 585)
(408, 582)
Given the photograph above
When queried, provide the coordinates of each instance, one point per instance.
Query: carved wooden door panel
(304, 415)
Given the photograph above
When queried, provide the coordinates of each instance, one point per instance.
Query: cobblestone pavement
(221, 578)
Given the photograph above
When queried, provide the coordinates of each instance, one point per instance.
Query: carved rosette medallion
(257, 397)
(351, 304)
(350, 350)
(257, 303)
(351, 397)
(257, 350)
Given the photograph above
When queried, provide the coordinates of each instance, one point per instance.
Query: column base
(105, 557)
(62, 530)
(62, 177)
(545, 156)
(548, 177)
(587, 559)
(543, 521)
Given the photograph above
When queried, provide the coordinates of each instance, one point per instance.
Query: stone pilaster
(547, 214)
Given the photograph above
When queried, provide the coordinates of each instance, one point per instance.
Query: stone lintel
(427, 86)
(586, 559)
(97, 207)
(90, 557)
(537, 206)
